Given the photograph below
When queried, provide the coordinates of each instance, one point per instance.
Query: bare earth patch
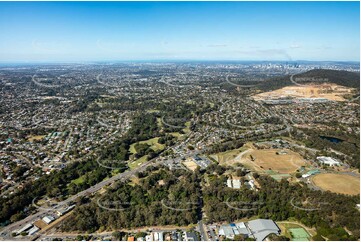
(338, 183)
(329, 91)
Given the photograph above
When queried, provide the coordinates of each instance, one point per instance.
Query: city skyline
(135, 31)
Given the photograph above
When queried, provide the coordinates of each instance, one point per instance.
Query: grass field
(159, 122)
(228, 156)
(154, 145)
(299, 234)
(35, 137)
(79, 180)
(136, 163)
(338, 183)
(186, 129)
(296, 231)
(267, 159)
(134, 181)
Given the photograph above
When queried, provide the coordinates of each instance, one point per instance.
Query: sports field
(268, 159)
(299, 234)
(191, 165)
(338, 183)
(296, 231)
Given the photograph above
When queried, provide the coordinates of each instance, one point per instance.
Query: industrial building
(328, 161)
(48, 219)
(234, 183)
(311, 173)
(33, 230)
(261, 228)
(258, 229)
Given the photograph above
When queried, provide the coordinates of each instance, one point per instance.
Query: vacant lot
(329, 91)
(338, 183)
(286, 163)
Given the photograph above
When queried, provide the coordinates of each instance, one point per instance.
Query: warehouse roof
(261, 228)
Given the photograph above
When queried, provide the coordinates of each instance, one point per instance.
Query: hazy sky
(86, 31)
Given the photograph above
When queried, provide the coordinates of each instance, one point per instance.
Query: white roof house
(26, 227)
(155, 236)
(242, 228)
(229, 183)
(328, 161)
(33, 230)
(306, 175)
(236, 183)
(227, 231)
(48, 219)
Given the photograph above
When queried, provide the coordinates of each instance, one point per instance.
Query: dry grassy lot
(338, 183)
(268, 159)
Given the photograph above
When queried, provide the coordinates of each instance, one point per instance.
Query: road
(204, 236)
(237, 85)
(294, 82)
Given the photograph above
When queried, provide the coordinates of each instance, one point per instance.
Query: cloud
(49, 46)
(115, 47)
(295, 46)
(324, 47)
(217, 45)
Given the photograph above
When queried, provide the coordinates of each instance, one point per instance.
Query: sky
(111, 31)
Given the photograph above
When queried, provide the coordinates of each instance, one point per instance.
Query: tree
(239, 237)
(140, 235)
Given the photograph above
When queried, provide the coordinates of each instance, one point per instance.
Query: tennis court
(299, 234)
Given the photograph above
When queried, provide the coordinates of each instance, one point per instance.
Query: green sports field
(299, 234)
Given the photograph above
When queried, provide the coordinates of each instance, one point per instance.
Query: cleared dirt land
(329, 91)
(286, 163)
(338, 183)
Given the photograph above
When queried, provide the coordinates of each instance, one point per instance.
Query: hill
(343, 78)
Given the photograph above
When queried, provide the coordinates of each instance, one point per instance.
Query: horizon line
(165, 60)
